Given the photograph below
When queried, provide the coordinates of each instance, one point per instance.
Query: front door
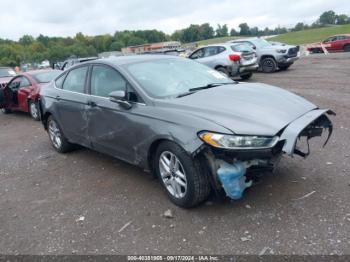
(113, 129)
(71, 106)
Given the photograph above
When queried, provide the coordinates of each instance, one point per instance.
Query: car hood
(250, 109)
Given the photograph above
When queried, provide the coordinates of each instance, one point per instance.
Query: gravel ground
(88, 203)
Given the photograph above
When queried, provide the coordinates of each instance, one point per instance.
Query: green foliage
(328, 18)
(311, 35)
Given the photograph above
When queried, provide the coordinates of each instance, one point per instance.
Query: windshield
(174, 76)
(7, 72)
(260, 43)
(46, 77)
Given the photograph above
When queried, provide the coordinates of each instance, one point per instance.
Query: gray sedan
(194, 128)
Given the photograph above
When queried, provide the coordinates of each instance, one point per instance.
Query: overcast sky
(93, 17)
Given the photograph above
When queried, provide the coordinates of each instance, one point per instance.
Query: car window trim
(69, 71)
(111, 67)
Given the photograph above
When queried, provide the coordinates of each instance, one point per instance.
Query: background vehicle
(332, 44)
(231, 59)
(272, 56)
(73, 61)
(6, 74)
(22, 92)
(192, 126)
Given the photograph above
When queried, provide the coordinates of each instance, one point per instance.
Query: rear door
(71, 106)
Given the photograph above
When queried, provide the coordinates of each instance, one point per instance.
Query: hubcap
(173, 174)
(33, 110)
(268, 65)
(55, 134)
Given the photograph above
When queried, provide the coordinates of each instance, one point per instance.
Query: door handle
(58, 98)
(91, 103)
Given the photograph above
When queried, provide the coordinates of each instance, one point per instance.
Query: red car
(6, 74)
(332, 44)
(21, 93)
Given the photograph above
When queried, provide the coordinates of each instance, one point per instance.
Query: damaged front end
(234, 160)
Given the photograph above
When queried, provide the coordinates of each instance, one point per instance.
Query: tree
(26, 40)
(342, 19)
(221, 31)
(245, 30)
(328, 17)
(206, 31)
(299, 26)
(233, 32)
(116, 46)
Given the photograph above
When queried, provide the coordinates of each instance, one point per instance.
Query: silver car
(272, 56)
(234, 60)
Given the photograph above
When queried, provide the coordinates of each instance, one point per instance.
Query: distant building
(109, 54)
(139, 49)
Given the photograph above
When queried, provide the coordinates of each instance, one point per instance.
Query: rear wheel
(223, 70)
(347, 48)
(57, 138)
(184, 179)
(246, 76)
(268, 65)
(6, 111)
(34, 110)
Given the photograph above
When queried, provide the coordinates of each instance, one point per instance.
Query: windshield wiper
(210, 86)
(186, 94)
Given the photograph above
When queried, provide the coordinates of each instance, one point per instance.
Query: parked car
(6, 74)
(272, 56)
(195, 128)
(234, 60)
(22, 92)
(73, 61)
(332, 44)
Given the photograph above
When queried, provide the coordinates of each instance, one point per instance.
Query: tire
(6, 111)
(268, 65)
(223, 70)
(34, 110)
(347, 48)
(57, 138)
(194, 187)
(284, 67)
(246, 76)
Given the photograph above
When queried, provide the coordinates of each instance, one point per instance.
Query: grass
(311, 35)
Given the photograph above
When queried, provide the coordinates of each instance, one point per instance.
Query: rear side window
(105, 80)
(59, 81)
(75, 80)
(213, 50)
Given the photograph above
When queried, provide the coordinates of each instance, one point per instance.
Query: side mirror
(254, 47)
(120, 98)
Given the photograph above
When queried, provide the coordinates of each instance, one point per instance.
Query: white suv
(235, 60)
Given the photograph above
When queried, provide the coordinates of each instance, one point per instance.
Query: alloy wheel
(55, 134)
(34, 112)
(173, 174)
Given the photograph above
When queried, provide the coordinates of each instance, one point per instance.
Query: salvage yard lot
(88, 203)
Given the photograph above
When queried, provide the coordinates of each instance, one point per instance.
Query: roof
(122, 60)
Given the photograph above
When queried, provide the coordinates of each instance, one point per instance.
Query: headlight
(281, 51)
(238, 142)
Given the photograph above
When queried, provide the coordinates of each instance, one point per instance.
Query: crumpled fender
(292, 132)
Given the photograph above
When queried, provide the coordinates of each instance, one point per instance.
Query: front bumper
(286, 60)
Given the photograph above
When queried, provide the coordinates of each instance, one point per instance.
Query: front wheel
(57, 138)
(268, 65)
(184, 178)
(34, 110)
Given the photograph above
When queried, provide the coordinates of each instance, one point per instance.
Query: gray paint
(251, 109)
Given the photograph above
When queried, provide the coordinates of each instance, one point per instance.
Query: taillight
(234, 57)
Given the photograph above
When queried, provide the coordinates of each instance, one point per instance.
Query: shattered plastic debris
(125, 226)
(233, 178)
(305, 196)
(247, 238)
(80, 219)
(168, 214)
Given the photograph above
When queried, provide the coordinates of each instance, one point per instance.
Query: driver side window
(198, 54)
(105, 80)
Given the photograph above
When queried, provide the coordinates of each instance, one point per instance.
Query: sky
(95, 17)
